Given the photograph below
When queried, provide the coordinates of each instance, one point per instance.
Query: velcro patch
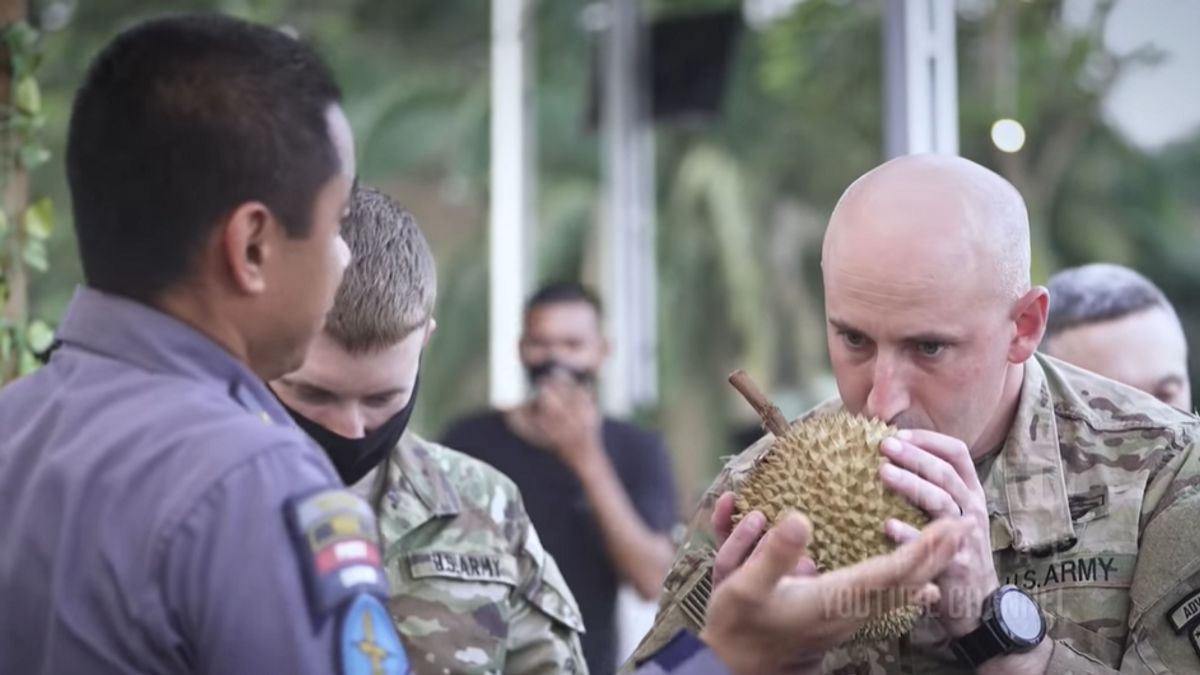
(335, 537)
(465, 566)
(367, 640)
(1106, 570)
(1185, 612)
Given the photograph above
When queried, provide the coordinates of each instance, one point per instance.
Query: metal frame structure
(920, 116)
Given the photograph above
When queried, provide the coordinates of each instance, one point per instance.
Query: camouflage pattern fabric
(473, 591)
(1094, 501)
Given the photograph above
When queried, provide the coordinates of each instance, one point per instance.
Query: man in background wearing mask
(1115, 322)
(473, 591)
(598, 490)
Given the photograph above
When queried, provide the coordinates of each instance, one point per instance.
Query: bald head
(934, 219)
(930, 314)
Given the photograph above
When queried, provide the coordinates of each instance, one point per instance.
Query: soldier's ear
(1029, 316)
(246, 244)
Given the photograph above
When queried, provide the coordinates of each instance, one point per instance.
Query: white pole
(511, 219)
(630, 278)
(920, 71)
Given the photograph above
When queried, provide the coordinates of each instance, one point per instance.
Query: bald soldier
(1115, 322)
(472, 589)
(1081, 491)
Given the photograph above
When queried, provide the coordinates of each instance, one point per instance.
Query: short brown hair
(390, 287)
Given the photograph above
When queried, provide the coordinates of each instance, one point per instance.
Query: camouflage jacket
(473, 591)
(1094, 501)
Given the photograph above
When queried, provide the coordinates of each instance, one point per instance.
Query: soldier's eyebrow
(303, 386)
(843, 326)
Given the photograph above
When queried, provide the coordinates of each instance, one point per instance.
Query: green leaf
(33, 156)
(5, 347)
(3, 222)
(29, 95)
(28, 363)
(35, 255)
(39, 335)
(39, 219)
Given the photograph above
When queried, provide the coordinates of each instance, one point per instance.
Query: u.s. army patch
(367, 640)
(1185, 612)
(335, 537)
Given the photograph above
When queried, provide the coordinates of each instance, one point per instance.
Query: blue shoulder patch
(367, 640)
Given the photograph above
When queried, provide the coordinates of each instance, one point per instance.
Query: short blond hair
(390, 287)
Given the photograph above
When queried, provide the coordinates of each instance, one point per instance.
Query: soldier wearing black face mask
(599, 490)
(471, 585)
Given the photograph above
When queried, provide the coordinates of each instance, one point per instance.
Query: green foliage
(742, 200)
(22, 249)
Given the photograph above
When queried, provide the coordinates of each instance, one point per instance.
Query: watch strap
(978, 646)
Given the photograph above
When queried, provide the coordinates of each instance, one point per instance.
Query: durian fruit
(827, 468)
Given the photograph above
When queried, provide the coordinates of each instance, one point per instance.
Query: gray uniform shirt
(145, 483)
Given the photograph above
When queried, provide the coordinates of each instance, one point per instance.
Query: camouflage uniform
(473, 591)
(1094, 499)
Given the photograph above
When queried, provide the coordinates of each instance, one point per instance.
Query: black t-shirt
(559, 510)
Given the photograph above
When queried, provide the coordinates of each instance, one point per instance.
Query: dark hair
(178, 122)
(390, 287)
(564, 292)
(1098, 292)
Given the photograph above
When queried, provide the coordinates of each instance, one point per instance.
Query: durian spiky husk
(827, 468)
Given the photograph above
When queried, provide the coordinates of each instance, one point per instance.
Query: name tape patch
(467, 566)
(1185, 612)
(1111, 571)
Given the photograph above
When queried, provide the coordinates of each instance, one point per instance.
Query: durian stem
(772, 418)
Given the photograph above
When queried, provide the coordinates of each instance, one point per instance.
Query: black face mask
(355, 457)
(537, 371)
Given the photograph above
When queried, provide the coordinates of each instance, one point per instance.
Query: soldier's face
(353, 394)
(923, 345)
(1146, 350)
(309, 269)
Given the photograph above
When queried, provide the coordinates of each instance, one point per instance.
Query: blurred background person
(599, 490)
(1115, 322)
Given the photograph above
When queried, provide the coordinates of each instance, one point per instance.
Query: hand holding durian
(866, 487)
(764, 618)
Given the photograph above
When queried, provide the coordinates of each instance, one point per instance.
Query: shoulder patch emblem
(367, 640)
(336, 540)
(1185, 612)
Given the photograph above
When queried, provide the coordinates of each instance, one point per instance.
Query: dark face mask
(355, 457)
(537, 371)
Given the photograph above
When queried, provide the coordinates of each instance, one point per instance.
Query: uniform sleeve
(233, 575)
(1165, 599)
(651, 485)
(544, 631)
(684, 654)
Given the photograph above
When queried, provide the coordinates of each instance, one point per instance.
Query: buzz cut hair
(390, 287)
(1099, 292)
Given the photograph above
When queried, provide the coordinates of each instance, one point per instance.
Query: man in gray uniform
(160, 513)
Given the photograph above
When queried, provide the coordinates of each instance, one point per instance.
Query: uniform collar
(414, 469)
(137, 334)
(1027, 485)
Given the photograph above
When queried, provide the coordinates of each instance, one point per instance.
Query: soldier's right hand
(763, 619)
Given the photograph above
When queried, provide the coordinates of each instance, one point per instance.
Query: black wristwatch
(1011, 623)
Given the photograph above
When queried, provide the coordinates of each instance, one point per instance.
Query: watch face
(1021, 616)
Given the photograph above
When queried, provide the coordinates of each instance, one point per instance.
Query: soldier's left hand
(936, 473)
